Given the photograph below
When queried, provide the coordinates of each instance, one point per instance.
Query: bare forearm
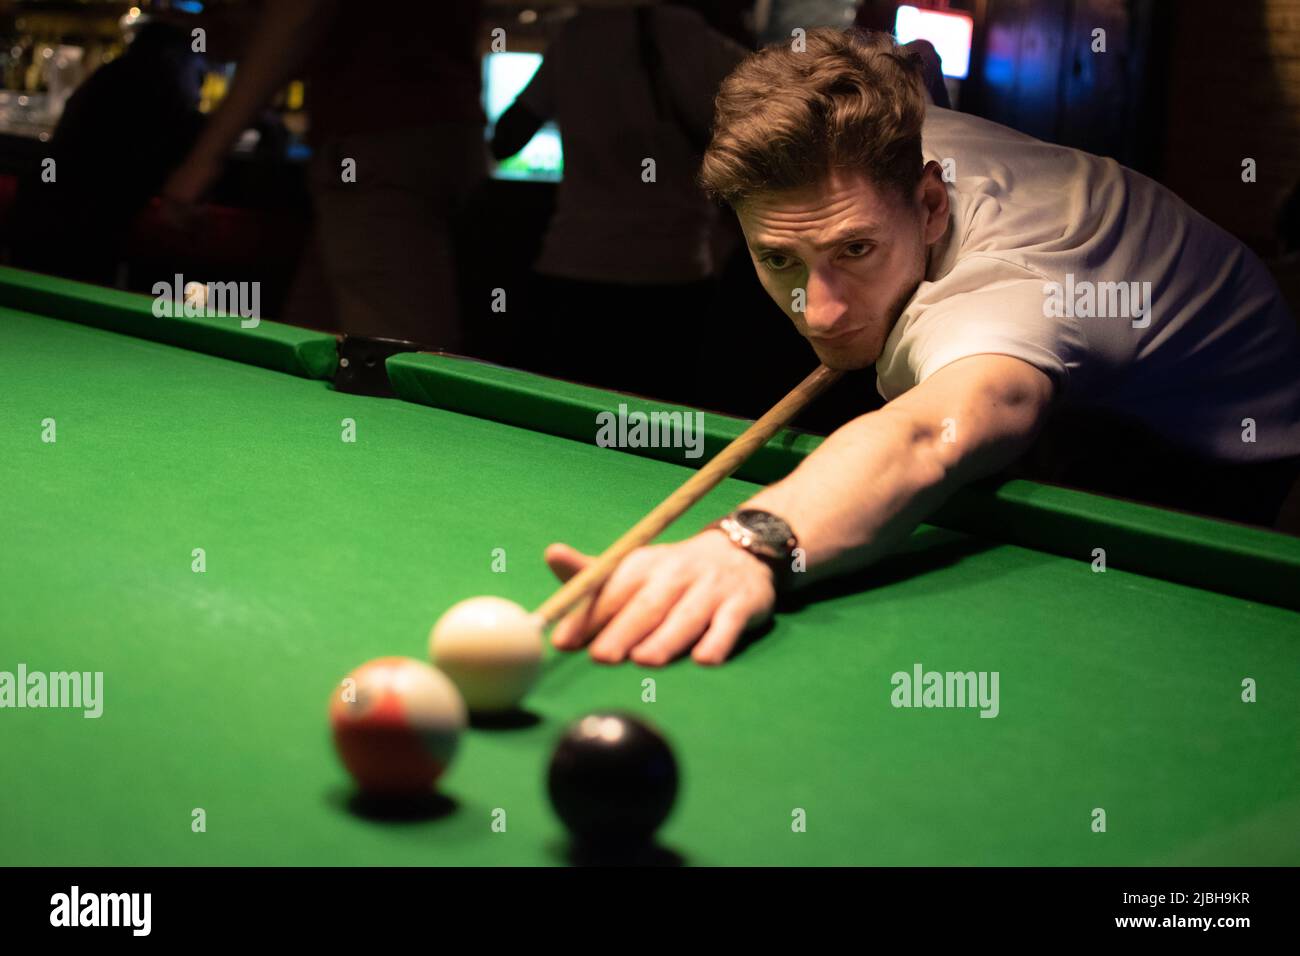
(280, 43)
(876, 478)
(859, 494)
(515, 128)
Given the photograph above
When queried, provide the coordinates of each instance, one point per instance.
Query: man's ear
(933, 193)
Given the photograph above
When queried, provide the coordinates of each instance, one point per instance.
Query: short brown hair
(786, 119)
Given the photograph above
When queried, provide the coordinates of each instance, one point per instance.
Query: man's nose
(824, 305)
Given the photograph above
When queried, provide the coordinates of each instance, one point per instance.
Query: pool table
(1146, 713)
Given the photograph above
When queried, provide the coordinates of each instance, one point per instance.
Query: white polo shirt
(1128, 298)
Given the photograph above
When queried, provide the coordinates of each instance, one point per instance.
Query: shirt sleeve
(697, 59)
(981, 308)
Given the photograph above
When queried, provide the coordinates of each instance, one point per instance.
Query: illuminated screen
(949, 32)
(504, 77)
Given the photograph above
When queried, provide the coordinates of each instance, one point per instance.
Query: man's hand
(666, 599)
(190, 180)
(287, 31)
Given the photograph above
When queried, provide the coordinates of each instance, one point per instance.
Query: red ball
(397, 722)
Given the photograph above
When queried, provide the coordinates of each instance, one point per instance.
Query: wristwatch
(766, 537)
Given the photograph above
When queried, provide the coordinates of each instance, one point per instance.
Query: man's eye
(855, 250)
(777, 262)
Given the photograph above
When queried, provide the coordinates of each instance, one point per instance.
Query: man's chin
(843, 359)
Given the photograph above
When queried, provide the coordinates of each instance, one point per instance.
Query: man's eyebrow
(857, 230)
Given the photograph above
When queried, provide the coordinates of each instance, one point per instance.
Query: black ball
(612, 780)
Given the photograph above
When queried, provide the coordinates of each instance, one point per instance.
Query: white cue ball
(197, 293)
(491, 648)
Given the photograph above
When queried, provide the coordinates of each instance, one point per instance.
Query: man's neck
(938, 252)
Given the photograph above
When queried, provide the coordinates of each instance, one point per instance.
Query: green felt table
(1119, 690)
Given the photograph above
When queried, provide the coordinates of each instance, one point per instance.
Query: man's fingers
(565, 561)
(654, 607)
(730, 621)
(586, 619)
(637, 618)
(577, 629)
(574, 629)
(688, 619)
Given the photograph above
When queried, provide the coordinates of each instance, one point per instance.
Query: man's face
(857, 251)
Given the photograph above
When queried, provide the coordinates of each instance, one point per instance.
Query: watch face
(770, 533)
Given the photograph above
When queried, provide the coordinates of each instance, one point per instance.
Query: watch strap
(780, 563)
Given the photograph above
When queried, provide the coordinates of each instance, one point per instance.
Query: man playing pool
(991, 278)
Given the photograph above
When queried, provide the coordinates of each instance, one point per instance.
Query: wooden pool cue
(589, 580)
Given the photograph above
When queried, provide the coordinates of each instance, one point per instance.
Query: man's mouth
(835, 338)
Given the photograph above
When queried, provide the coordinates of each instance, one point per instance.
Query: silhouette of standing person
(397, 136)
(623, 278)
